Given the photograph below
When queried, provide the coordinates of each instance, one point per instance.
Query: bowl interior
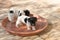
(41, 24)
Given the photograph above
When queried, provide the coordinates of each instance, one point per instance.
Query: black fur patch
(19, 13)
(25, 20)
(11, 11)
(27, 12)
(32, 20)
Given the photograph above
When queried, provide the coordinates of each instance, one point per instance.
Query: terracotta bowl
(41, 24)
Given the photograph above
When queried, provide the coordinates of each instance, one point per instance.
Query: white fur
(11, 17)
(20, 19)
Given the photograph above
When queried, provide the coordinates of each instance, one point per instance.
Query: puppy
(11, 15)
(29, 21)
(23, 12)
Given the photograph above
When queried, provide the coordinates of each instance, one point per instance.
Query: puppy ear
(19, 14)
(35, 18)
(25, 20)
(27, 12)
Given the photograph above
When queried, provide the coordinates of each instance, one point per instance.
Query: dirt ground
(45, 8)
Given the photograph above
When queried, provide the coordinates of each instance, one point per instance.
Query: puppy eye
(20, 14)
(11, 11)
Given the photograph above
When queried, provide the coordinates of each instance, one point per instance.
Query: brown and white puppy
(29, 21)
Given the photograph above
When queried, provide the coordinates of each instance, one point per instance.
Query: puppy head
(27, 12)
(20, 13)
(11, 10)
(32, 20)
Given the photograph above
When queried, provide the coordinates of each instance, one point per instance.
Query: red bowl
(41, 24)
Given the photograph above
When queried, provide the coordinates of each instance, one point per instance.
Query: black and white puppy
(24, 12)
(29, 21)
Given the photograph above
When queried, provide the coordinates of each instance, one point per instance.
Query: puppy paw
(33, 28)
(28, 29)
